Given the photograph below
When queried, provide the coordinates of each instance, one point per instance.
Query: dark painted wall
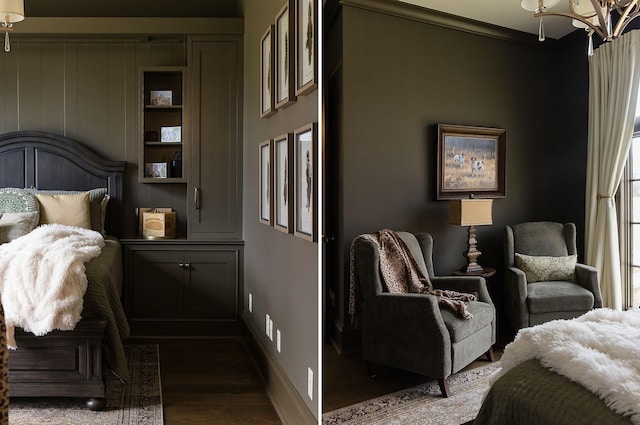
(400, 77)
(137, 8)
(88, 92)
(281, 270)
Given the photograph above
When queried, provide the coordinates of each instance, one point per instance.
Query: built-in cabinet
(191, 286)
(214, 188)
(182, 288)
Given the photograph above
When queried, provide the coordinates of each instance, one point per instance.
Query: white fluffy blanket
(43, 279)
(599, 350)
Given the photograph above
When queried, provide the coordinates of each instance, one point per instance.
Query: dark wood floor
(211, 381)
(346, 381)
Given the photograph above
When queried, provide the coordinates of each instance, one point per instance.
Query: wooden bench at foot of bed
(64, 364)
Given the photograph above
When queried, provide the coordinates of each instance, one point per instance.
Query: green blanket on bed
(530, 394)
(102, 300)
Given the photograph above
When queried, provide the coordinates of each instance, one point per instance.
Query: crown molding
(441, 19)
(131, 26)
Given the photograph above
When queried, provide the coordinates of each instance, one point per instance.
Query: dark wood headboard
(45, 161)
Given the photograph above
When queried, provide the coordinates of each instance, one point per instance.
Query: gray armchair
(411, 331)
(532, 303)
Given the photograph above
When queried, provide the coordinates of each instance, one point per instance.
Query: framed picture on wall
(266, 182)
(471, 161)
(267, 95)
(305, 181)
(161, 97)
(306, 46)
(283, 182)
(284, 28)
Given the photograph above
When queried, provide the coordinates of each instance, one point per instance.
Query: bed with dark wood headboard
(62, 363)
(47, 161)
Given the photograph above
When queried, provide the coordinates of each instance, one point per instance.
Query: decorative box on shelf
(157, 223)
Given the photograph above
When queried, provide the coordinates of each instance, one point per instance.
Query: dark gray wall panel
(400, 78)
(88, 91)
(281, 270)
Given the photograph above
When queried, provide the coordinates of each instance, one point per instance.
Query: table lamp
(471, 213)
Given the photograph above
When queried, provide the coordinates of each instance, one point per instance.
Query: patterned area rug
(422, 404)
(137, 402)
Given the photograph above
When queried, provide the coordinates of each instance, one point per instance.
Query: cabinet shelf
(161, 107)
(166, 144)
(161, 162)
(163, 180)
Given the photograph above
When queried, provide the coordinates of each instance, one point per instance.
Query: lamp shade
(578, 24)
(584, 7)
(533, 5)
(470, 212)
(11, 10)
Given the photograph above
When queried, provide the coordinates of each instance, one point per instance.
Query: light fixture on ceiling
(10, 11)
(595, 16)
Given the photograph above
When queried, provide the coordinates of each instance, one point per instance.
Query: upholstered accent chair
(411, 331)
(543, 280)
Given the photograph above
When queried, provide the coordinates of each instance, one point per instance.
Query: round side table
(486, 272)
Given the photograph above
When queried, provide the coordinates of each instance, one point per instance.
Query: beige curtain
(614, 75)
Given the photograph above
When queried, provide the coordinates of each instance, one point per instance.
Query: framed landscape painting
(471, 162)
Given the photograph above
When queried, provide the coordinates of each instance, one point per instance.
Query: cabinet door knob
(187, 265)
(181, 265)
(196, 198)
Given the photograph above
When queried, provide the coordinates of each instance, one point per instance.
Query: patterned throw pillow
(543, 269)
(15, 200)
(19, 213)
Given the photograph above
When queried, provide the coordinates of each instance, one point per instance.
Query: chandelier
(594, 16)
(10, 11)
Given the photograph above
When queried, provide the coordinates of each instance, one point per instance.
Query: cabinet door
(157, 288)
(214, 183)
(211, 290)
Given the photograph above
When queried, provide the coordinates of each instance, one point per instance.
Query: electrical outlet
(271, 329)
(250, 303)
(278, 341)
(310, 383)
(266, 324)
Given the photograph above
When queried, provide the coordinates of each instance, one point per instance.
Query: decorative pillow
(14, 200)
(541, 268)
(96, 200)
(14, 225)
(70, 210)
(103, 214)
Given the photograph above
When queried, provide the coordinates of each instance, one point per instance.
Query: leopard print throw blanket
(401, 274)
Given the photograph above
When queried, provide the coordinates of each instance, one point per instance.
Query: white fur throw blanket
(43, 279)
(599, 350)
